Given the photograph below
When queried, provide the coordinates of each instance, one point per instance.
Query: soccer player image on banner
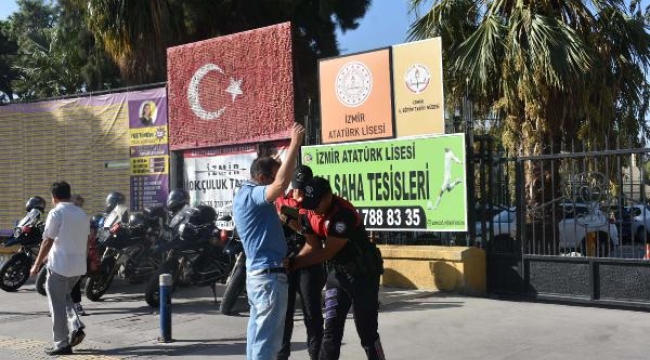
(447, 184)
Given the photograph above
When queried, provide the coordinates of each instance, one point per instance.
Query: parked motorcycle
(132, 251)
(195, 256)
(27, 233)
(236, 282)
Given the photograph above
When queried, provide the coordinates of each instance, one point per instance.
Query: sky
(386, 23)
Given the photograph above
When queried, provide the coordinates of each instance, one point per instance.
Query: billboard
(417, 87)
(355, 97)
(212, 175)
(84, 141)
(416, 184)
(149, 151)
(233, 89)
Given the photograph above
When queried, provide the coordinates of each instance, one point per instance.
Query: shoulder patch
(339, 227)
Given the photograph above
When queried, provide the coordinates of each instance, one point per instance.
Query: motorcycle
(195, 257)
(27, 233)
(131, 251)
(236, 281)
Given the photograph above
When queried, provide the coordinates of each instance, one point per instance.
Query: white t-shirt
(69, 226)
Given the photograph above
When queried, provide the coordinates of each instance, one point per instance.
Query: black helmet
(113, 199)
(97, 221)
(202, 215)
(177, 199)
(137, 220)
(35, 202)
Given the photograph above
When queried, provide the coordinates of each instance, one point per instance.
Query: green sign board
(416, 184)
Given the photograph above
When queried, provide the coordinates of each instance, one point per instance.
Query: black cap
(314, 190)
(301, 175)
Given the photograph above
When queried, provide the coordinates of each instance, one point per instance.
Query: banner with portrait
(149, 150)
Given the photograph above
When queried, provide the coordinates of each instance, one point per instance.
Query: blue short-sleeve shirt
(259, 228)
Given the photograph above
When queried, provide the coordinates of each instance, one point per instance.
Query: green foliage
(49, 51)
(137, 33)
(551, 71)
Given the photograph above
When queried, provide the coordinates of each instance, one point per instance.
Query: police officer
(354, 267)
(308, 281)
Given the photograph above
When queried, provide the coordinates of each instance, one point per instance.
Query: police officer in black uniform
(354, 267)
(307, 281)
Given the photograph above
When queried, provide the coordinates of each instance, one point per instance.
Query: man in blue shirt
(260, 230)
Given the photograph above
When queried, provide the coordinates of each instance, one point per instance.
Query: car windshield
(506, 216)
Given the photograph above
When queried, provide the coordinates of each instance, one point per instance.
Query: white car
(577, 220)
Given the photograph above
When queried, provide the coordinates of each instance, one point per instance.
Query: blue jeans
(267, 296)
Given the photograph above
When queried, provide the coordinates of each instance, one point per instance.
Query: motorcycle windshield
(31, 218)
(178, 217)
(114, 216)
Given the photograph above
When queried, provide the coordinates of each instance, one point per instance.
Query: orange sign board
(355, 97)
(417, 76)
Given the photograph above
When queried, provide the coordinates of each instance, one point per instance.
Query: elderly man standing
(261, 233)
(65, 240)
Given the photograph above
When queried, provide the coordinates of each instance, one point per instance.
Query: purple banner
(148, 112)
(148, 191)
(149, 152)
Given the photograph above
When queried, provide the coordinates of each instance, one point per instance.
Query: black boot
(375, 352)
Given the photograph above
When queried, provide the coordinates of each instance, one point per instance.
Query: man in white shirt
(65, 242)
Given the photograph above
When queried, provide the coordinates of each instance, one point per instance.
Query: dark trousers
(343, 291)
(307, 282)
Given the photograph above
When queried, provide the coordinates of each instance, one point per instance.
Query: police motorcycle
(28, 233)
(130, 247)
(195, 256)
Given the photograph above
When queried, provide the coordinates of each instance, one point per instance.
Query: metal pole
(165, 296)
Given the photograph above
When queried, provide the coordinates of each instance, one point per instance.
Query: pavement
(413, 325)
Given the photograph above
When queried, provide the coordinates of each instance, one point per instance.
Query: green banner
(416, 184)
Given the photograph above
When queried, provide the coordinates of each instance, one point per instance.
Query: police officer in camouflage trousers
(308, 281)
(354, 267)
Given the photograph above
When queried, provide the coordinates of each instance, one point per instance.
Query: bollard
(165, 296)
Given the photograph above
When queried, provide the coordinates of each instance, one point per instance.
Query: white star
(234, 88)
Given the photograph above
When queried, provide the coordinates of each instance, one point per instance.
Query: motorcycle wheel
(14, 272)
(234, 287)
(40, 281)
(98, 285)
(152, 289)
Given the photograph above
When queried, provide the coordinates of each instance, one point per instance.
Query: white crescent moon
(193, 93)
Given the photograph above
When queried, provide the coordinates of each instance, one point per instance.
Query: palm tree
(547, 67)
(137, 33)
(552, 71)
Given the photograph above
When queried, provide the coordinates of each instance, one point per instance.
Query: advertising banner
(417, 85)
(85, 141)
(355, 97)
(212, 175)
(416, 183)
(232, 89)
(149, 162)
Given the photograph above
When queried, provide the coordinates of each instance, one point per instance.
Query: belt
(273, 270)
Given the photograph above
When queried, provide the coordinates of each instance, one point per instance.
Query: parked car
(577, 220)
